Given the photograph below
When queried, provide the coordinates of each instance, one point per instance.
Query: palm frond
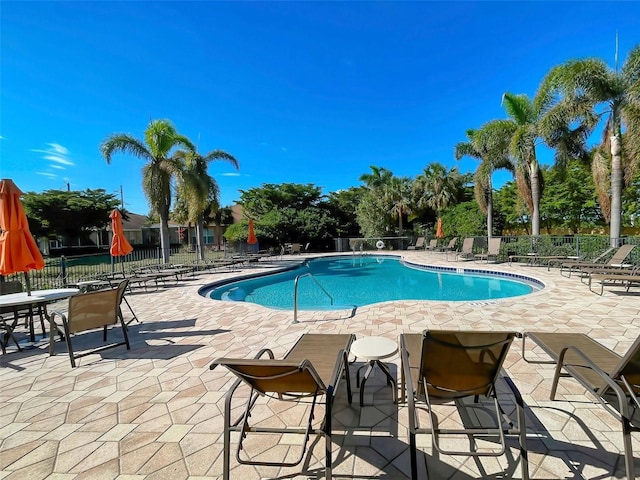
(124, 143)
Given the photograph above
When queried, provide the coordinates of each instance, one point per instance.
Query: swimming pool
(355, 281)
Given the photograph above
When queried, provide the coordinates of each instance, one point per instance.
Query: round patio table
(373, 350)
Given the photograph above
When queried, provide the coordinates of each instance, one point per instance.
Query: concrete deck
(155, 412)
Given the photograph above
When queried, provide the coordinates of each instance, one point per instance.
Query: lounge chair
(626, 278)
(419, 244)
(450, 246)
(451, 366)
(612, 379)
(311, 369)
(616, 260)
(492, 252)
(466, 252)
(89, 311)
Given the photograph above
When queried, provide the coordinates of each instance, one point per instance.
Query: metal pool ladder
(295, 293)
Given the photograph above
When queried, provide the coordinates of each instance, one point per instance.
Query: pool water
(364, 280)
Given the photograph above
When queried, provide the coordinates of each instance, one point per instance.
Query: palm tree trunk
(200, 237)
(490, 212)
(165, 241)
(616, 191)
(535, 196)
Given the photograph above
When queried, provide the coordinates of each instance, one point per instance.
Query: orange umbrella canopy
(119, 244)
(251, 239)
(18, 250)
(439, 231)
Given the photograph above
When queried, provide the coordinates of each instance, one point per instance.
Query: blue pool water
(363, 280)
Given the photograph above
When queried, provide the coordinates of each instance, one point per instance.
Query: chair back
(622, 253)
(456, 364)
(467, 245)
(419, 242)
(94, 309)
(494, 246)
(13, 286)
(452, 243)
(269, 376)
(295, 247)
(629, 367)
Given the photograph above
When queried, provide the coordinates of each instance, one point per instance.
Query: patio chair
(466, 252)
(433, 244)
(615, 261)
(311, 369)
(492, 251)
(419, 244)
(612, 379)
(90, 311)
(448, 366)
(622, 277)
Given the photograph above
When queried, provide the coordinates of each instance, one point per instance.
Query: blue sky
(303, 92)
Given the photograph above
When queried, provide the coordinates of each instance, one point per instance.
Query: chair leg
(327, 434)
(628, 448)
(413, 455)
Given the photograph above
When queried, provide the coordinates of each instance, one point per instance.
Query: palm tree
(160, 138)
(398, 192)
(577, 97)
(200, 190)
(523, 113)
(490, 145)
(378, 177)
(437, 187)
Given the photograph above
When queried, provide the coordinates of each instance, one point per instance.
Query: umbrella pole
(28, 283)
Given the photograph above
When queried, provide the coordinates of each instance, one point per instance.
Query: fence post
(63, 268)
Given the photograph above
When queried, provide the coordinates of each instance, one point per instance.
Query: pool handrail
(295, 293)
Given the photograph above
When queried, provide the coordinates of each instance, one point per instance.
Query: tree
(378, 177)
(464, 220)
(509, 203)
(342, 206)
(577, 97)
(570, 199)
(199, 190)
(437, 187)
(490, 145)
(525, 117)
(397, 192)
(286, 213)
(161, 138)
(68, 214)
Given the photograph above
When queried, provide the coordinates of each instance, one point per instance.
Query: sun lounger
(626, 278)
(616, 260)
(418, 245)
(492, 252)
(612, 379)
(312, 369)
(450, 366)
(466, 252)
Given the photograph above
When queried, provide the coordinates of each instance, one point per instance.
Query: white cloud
(284, 149)
(231, 174)
(56, 154)
(47, 174)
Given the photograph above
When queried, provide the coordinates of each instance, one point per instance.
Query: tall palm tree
(581, 95)
(160, 138)
(200, 190)
(490, 145)
(437, 187)
(398, 193)
(522, 111)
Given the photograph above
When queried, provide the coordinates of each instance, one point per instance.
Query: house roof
(135, 221)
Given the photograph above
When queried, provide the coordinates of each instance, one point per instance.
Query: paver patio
(155, 412)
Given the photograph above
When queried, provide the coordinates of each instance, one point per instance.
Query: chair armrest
(624, 408)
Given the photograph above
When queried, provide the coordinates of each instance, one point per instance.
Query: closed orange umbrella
(18, 250)
(251, 239)
(119, 244)
(439, 231)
